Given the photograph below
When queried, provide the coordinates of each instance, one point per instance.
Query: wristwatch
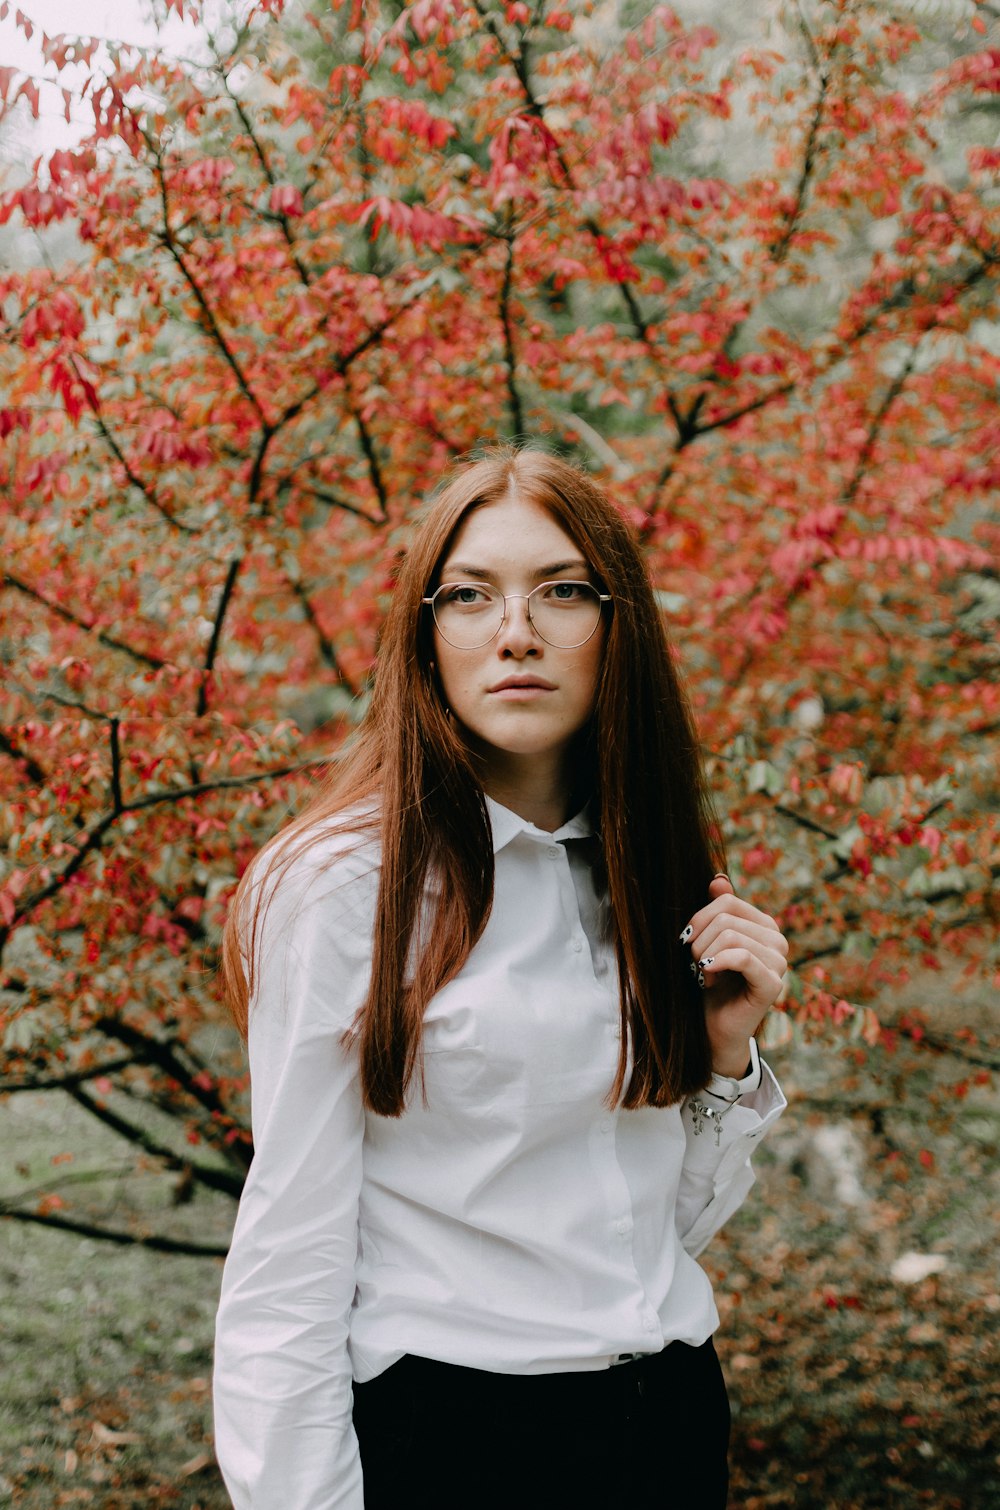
(728, 1088)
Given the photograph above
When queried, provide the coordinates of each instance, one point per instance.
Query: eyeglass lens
(564, 614)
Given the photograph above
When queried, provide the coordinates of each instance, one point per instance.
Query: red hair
(637, 763)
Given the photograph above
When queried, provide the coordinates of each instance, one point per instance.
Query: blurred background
(266, 272)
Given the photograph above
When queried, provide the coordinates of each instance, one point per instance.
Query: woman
(504, 1083)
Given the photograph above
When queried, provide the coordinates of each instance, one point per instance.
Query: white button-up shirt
(507, 1221)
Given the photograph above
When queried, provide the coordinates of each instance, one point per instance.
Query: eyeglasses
(563, 614)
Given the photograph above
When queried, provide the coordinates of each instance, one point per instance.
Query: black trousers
(652, 1432)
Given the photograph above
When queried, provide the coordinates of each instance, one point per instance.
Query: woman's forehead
(512, 533)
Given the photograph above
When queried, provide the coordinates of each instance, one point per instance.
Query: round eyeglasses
(563, 614)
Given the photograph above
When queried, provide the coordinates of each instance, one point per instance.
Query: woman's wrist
(733, 1062)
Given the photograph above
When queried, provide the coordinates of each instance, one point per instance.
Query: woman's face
(519, 701)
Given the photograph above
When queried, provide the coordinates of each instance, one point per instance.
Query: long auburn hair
(408, 767)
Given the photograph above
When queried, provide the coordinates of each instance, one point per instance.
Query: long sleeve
(283, 1396)
(717, 1174)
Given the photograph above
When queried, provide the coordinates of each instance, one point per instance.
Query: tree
(754, 288)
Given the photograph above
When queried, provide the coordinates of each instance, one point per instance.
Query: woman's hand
(743, 956)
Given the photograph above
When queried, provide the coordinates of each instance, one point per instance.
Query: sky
(21, 138)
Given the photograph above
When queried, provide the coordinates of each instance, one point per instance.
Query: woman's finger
(763, 983)
(726, 932)
(734, 906)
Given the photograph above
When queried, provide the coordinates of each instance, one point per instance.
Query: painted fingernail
(708, 960)
(720, 875)
(686, 934)
(701, 977)
(694, 968)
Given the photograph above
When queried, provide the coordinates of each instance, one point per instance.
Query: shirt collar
(507, 825)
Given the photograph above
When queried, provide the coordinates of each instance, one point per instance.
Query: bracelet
(702, 1116)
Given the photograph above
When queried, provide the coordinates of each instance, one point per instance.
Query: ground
(851, 1388)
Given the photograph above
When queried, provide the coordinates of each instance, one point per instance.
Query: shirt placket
(616, 1196)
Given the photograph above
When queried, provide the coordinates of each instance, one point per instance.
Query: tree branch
(116, 767)
(780, 246)
(519, 63)
(332, 500)
(806, 822)
(213, 645)
(166, 236)
(204, 1174)
(12, 1085)
(154, 661)
(269, 175)
(188, 1076)
(371, 456)
(326, 647)
(9, 1212)
(93, 837)
(136, 481)
(32, 769)
(513, 396)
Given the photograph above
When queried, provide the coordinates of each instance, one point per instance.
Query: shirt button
(649, 1325)
(623, 1229)
(607, 1125)
(552, 853)
(577, 945)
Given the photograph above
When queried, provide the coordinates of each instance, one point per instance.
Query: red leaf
(286, 200)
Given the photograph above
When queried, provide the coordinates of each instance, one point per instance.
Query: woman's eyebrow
(484, 574)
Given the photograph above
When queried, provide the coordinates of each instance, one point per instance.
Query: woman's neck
(540, 795)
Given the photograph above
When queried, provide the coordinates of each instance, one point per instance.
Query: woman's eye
(465, 595)
(565, 592)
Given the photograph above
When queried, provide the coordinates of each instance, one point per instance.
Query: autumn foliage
(754, 288)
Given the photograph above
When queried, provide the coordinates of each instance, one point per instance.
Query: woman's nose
(517, 635)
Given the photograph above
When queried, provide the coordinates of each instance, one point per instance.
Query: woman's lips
(514, 687)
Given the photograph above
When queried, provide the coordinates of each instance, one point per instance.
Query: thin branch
(268, 174)
(257, 469)
(92, 839)
(780, 390)
(326, 646)
(189, 1076)
(685, 421)
(63, 1181)
(13, 1084)
(136, 481)
(876, 426)
(519, 62)
(213, 645)
(513, 396)
(10, 580)
(116, 767)
(168, 239)
(937, 1042)
(780, 246)
(32, 769)
(9, 1212)
(204, 1174)
(371, 456)
(805, 822)
(221, 784)
(847, 496)
(332, 500)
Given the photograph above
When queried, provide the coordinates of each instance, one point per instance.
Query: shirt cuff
(727, 1089)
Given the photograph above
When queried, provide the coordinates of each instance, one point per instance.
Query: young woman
(504, 1084)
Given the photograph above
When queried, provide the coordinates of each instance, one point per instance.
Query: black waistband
(412, 1371)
